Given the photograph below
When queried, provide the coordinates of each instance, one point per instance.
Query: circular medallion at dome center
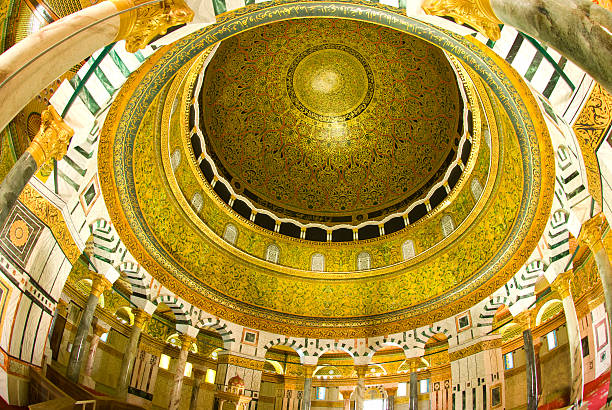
(330, 83)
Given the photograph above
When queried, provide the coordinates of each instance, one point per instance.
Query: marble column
(360, 389)
(524, 320)
(307, 397)
(61, 309)
(99, 285)
(198, 377)
(578, 29)
(413, 404)
(562, 286)
(591, 234)
(62, 44)
(140, 318)
(391, 392)
(51, 141)
(179, 374)
(98, 331)
(346, 397)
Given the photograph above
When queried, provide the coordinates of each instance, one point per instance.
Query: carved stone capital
(140, 318)
(592, 232)
(62, 307)
(361, 370)
(199, 373)
(561, 284)
(52, 139)
(309, 370)
(99, 329)
(186, 341)
(477, 13)
(524, 320)
(99, 284)
(391, 391)
(140, 26)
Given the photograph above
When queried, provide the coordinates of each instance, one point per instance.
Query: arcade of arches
(305, 205)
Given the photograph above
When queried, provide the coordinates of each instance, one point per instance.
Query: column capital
(140, 318)
(52, 138)
(561, 284)
(346, 394)
(309, 370)
(99, 284)
(140, 26)
(592, 231)
(61, 307)
(361, 370)
(477, 13)
(198, 373)
(99, 329)
(391, 391)
(186, 341)
(524, 319)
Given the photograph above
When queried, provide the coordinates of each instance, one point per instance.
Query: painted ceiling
(151, 203)
(330, 120)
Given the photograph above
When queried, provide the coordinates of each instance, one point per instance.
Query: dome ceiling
(331, 121)
(172, 219)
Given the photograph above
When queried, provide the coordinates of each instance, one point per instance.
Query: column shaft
(198, 376)
(177, 385)
(414, 392)
(93, 346)
(78, 346)
(578, 29)
(605, 273)
(307, 398)
(530, 370)
(127, 364)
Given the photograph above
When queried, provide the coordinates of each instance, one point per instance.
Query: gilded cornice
(590, 128)
(475, 348)
(133, 116)
(53, 218)
(240, 361)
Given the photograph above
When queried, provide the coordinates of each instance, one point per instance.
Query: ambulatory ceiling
(179, 240)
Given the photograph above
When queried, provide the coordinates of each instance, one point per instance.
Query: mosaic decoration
(331, 121)
(20, 234)
(164, 234)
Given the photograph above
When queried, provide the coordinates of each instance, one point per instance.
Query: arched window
(272, 253)
(230, 234)
(448, 226)
(364, 261)
(476, 188)
(175, 159)
(317, 262)
(408, 251)
(197, 201)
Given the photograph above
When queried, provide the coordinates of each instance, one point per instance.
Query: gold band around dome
(317, 327)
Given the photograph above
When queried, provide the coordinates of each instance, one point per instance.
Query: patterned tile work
(20, 234)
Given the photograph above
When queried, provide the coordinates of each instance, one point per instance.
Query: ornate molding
(475, 348)
(476, 13)
(140, 26)
(52, 139)
(240, 361)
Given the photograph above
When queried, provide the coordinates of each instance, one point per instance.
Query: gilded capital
(198, 373)
(592, 232)
(61, 307)
(140, 318)
(524, 319)
(562, 284)
(98, 329)
(391, 391)
(477, 13)
(99, 285)
(140, 26)
(361, 370)
(309, 370)
(186, 341)
(52, 139)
